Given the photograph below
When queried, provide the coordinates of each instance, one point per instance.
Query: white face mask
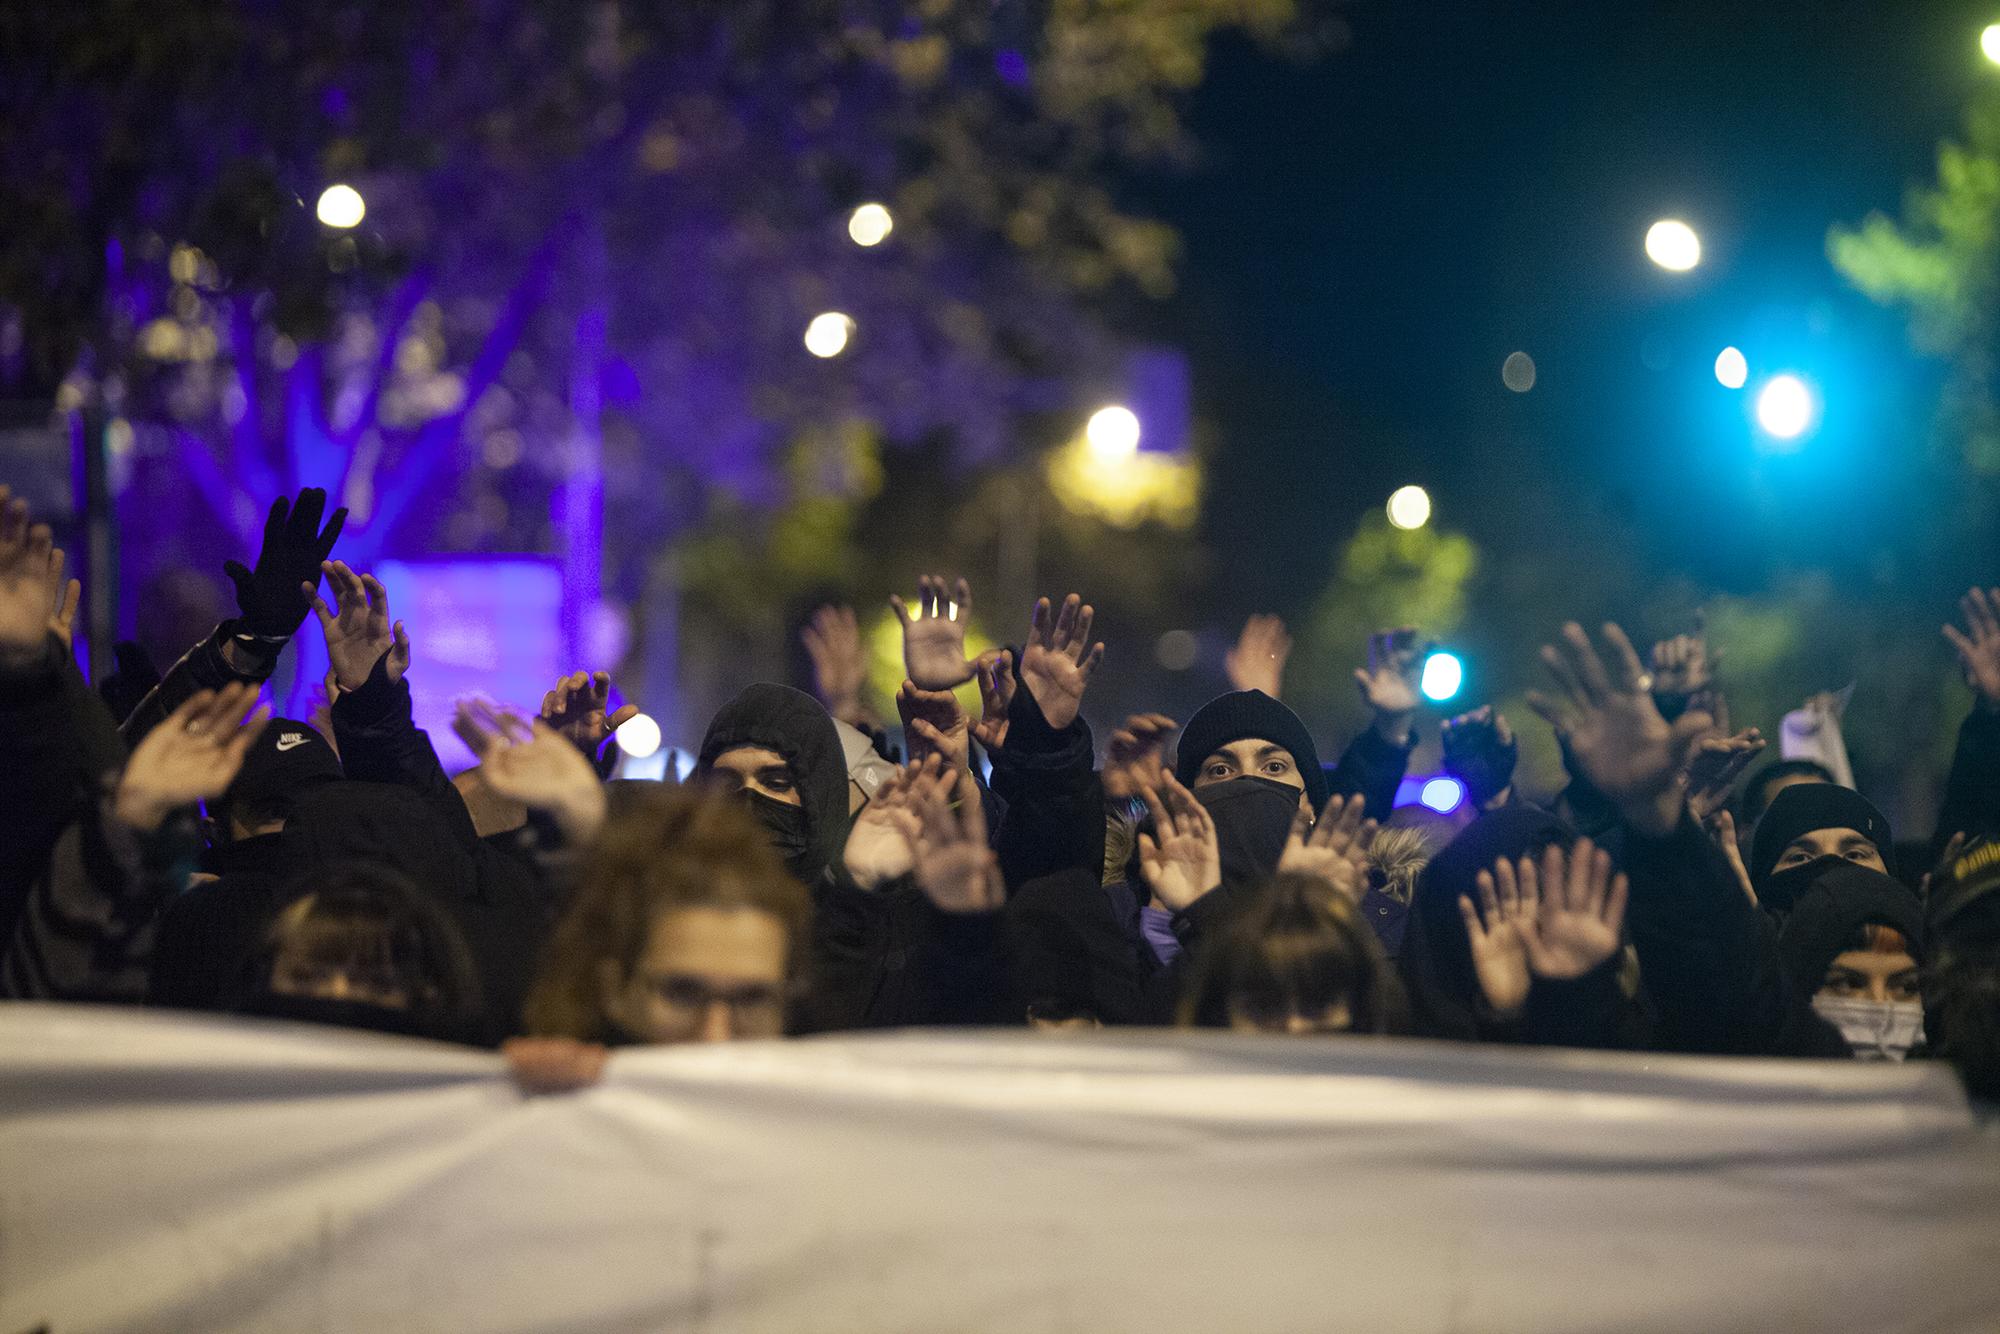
(1876, 1030)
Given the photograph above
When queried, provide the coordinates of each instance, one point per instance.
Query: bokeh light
(1518, 372)
(1113, 433)
(1672, 244)
(639, 736)
(1410, 507)
(870, 225)
(1176, 650)
(1443, 794)
(829, 334)
(1443, 675)
(1989, 42)
(1732, 368)
(1785, 407)
(341, 206)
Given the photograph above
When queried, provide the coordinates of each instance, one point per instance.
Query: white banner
(162, 1172)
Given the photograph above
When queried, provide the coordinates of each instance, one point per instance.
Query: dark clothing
(202, 667)
(1972, 790)
(1709, 959)
(1373, 768)
(1054, 800)
(1841, 900)
(57, 745)
(888, 958)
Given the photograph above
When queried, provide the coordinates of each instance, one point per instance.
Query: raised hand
(273, 597)
(1582, 908)
(1480, 749)
(881, 843)
(35, 602)
(193, 756)
(1722, 828)
(934, 634)
(1258, 660)
(1614, 729)
(840, 667)
(1055, 664)
(934, 724)
(360, 631)
(1390, 683)
(580, 708)
(1717, 763)
(1335, 849)
(996, 693)
(1181, 858)
(1978, 644)
(954, 865)
(533, 764)
(554, 1065)
(1136, 758)
(1682, 669)
(1499, 951)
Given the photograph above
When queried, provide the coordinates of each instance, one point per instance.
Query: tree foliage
(1941, 265)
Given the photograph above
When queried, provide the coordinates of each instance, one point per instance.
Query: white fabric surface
(164, 1172)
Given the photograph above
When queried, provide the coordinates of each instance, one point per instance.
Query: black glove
(273, 605)
(1477, 757)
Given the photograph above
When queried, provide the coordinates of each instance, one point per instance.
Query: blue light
(1786, 407)
(1443, 795)
(1443, 675)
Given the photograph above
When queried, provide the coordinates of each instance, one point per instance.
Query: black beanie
(1798, 810)
(1840, 902)
(1251, 713)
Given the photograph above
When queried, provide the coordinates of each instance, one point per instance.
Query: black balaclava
(1840, 898)
(796, 726)
(1796, 812)
(1437, 958)
(1250, 713)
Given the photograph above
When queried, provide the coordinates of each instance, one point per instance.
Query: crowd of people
(171, 844)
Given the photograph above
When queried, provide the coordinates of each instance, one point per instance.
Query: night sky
(1371, 234)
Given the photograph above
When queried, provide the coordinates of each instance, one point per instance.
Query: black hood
(1436, 957)
(796, 726)
(1841, 899)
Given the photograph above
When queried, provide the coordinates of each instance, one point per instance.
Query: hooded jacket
(797, 727)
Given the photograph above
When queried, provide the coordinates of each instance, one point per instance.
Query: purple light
(489, 626)
(1012, 67)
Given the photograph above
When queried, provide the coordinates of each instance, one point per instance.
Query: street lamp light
(1989, 42)
(341, 206)
(1672, 244)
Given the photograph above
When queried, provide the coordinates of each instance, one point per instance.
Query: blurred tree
(595, 234)
(1941, 264)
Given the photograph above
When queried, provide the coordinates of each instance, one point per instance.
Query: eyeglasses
(694, 996)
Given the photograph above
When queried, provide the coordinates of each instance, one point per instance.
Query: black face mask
(1253, 818)
(1782, 889)
(787, 828)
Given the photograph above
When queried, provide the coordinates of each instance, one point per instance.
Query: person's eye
(1217, 770)
(778, 783)
(1904, 988)
(1857, 854)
